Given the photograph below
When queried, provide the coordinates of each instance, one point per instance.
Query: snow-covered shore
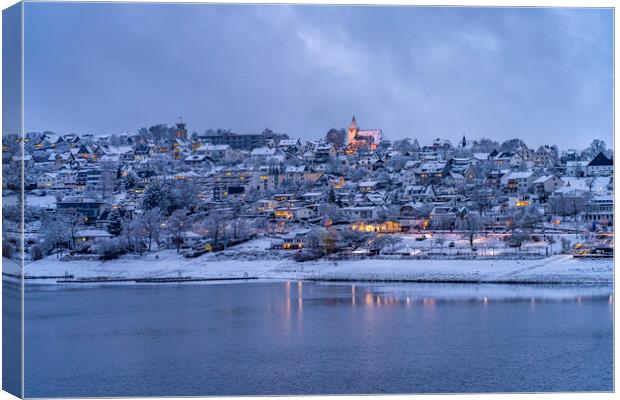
(555, 269)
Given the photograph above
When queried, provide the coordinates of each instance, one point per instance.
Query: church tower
(352, 131)
(181, 132)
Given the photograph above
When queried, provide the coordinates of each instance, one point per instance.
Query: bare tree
(472, 223)
(71, 223)
(150, 222)
(329, 212)
(215, 225)
(393, 240)
(176, 226)
(440, 241)
(132, 234)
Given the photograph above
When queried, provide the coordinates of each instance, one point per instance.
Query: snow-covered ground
(554, 269)
(47, 201)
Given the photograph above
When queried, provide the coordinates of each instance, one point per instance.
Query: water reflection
(373, 296)
(289, 315)
(427, 297)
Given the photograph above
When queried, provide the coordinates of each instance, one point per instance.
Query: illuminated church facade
(358, 139)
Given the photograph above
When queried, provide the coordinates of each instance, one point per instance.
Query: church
(358, 139)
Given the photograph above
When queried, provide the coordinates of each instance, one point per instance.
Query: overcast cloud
(543, 75)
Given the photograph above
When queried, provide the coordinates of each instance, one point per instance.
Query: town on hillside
(353, 194)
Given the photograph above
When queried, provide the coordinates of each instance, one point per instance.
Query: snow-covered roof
(481, 156)
(432, 166)
(110, 157)
(292, 168)
(288, 142)
(543, 179)
(196, 157)
(213, 147)
(368, 183)
(263, 151)
(518, 175)
(93, 233)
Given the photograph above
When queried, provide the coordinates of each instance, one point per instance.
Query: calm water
(296, 338)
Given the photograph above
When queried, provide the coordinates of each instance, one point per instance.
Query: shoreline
(10, 278)
(165, 267)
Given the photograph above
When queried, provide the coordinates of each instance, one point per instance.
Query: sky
(544, 75)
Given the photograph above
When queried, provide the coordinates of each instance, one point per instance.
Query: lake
(260, 338)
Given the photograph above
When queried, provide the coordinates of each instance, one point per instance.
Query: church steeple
(180, 131)
(464, 142)
(352, 131)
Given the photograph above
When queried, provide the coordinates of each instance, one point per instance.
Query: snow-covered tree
(530, 217)
(115, 225)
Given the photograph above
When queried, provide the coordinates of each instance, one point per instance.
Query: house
(290, 145)
(508, 159)
(600, 166)
(464, 167)
(600, 209)
(46, 180)
(295, 240)
(408, 172)
(547, 184)
(546, 156)
(142, 152)
(66, 179)
(313, 197)
(92, 235)
(519, 181)
(266, 205)
(455, 179)
(294, 173)
(60, 159)
(294, 213)
(370, 186)
(383, 227)
(431, 172)
(190, 239)
(364, 213)
(197, 159)
(89, 207)
(481, 156)
(576, 168)
(323, 152)
(416, 193)
(265, 179)
(266, 153)
(217, 152)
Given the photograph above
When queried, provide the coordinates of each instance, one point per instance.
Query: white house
(46, 180)
(576, 168)
(600, 166)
